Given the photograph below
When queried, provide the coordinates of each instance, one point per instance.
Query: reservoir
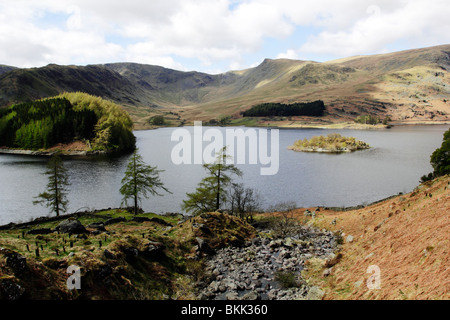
(397, 159)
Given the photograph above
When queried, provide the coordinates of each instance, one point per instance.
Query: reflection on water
(397, 160)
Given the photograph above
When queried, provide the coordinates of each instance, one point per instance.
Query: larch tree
(139, 181)
(55, 197)
(212, 190)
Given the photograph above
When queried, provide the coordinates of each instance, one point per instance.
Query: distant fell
(4, 69)
(408, 86)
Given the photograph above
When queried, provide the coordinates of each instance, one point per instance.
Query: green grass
(18, 239)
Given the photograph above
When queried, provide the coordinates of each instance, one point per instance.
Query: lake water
(395, 163)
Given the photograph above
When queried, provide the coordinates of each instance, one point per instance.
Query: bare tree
(285, 224)
(245, 202)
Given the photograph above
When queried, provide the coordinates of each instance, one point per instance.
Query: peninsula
(71, 123)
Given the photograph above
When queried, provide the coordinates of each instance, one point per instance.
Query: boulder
(256, 241)
(315, 293)
(214, 287)
(253, 295)
(327, 272)
(232, 296)
(153, 249)
(71, 226)
(289, 242)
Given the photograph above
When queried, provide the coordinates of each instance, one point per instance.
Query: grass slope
(407, 237)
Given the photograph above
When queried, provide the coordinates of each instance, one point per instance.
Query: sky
(213, 36)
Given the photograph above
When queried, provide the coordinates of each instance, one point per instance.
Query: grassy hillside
(4, 69)
(409, 86)
(407, 237)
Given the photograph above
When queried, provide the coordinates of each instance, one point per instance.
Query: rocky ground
(261, 269)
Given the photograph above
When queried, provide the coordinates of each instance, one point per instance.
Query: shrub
(286, 279)
(158, 120)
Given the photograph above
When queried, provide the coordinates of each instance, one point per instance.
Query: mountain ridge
(409, 85)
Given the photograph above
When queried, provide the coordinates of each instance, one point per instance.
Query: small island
(332, 143)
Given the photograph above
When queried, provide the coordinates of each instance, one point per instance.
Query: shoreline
(68, 153)
(329, 126)
(324, 150)
(44, 219)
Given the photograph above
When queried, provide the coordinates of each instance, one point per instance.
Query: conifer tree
(139, 180)
(212, 190)
(55, 195)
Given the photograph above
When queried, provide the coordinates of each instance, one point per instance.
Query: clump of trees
(71, 116)
(217, 191)
(43, 123)
(440, 160)
(223, 121)
(313, 109)
(243, 202)
(113, 130)
(212, 190)
(373, 120)
(158, 120)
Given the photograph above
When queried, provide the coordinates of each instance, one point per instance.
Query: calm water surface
(397, 160)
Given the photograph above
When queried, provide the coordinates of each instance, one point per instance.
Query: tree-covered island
(332, 143)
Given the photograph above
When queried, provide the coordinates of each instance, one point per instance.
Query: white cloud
(419, 23)
(289, 54)
(211, 32)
